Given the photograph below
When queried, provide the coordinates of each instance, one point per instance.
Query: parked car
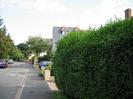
(3, 63)
(43, 64)
(10, 61)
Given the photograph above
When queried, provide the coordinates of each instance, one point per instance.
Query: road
(21, 81)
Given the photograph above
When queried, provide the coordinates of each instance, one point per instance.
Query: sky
(24, 18)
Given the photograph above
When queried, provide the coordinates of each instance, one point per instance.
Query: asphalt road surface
(21, 81)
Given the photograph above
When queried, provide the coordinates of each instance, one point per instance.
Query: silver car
(10, 61)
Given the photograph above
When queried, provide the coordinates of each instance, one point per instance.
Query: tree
(24, 49)
(17, 54)
(6, 43)
(38, 45)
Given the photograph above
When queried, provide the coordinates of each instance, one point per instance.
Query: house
(59, 32)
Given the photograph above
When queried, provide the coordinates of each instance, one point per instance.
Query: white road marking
(19, 92)
(17, 75)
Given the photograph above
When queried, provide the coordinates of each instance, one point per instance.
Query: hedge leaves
(96, 64)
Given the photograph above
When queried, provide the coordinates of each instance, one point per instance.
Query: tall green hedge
(96, 64)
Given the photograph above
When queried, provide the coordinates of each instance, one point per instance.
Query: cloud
(32, 17)
(37, 17)
(42, 6)
(105, 11)
(8, 3)
(53, 7)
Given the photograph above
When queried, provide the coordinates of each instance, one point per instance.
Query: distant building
(128, 13)
(59, 32)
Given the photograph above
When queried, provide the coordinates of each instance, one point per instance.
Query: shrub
(96, 64)
(41, 73)
(48, 67)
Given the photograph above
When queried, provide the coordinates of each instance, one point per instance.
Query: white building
(59, 32)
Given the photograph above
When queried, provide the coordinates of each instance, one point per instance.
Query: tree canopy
(6, 43)
(38, 45)
(24, 49)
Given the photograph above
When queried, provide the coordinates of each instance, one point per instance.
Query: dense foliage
(38, 45)
(24, 49)
(7, 47)
(17, 54)
(96, 64)
(58, 95)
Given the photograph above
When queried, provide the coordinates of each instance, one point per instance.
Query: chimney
(128, 13)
